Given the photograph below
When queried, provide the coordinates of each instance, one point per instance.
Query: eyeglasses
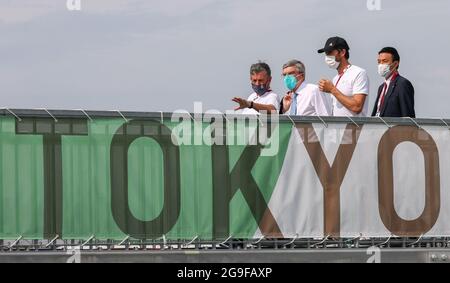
(293, 73)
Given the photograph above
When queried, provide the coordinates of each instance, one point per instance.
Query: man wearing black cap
(350, 88)
(396, 95)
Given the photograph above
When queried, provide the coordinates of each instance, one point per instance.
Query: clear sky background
(150, 55)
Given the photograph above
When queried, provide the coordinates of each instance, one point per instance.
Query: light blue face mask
(290, 82)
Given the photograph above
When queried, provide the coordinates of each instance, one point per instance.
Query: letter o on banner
(120, 144)
(390, 140)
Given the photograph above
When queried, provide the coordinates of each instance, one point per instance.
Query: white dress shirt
(311, 101)
(269, 98)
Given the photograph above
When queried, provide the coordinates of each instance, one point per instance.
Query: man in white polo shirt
(350, 88)
(303, 99)
(263, 99)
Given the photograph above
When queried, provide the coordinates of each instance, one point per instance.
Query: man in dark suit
(396, 94)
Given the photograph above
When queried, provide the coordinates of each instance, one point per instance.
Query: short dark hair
(347, 54)
(392, 51)
(260, 67)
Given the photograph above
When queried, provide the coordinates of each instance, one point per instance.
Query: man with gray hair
(263, 99)
(303, 99)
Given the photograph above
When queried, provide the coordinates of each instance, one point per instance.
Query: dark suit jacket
(399, 100)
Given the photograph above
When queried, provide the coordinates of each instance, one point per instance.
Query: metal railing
(25, 245)
(127, 115)
(327, 243)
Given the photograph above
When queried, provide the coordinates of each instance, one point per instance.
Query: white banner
(369, 181)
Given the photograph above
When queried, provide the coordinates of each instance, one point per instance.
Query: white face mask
(331, 62)
(384, 70)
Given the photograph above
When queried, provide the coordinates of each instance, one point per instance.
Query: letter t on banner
(52, 133)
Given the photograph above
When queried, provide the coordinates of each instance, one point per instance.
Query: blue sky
(151, 55)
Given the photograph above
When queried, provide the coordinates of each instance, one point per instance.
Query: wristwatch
(251, 105)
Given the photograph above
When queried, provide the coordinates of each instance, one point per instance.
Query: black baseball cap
(334, 43)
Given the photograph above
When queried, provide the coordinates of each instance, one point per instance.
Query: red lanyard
(340, 77)
(394, 76)
(385, 89)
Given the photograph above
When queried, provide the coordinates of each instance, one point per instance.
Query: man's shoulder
(267, 95)
(402, 80)
(312, 88)
(271, 94)
(252, 96)
(358, 70)
(404, 84)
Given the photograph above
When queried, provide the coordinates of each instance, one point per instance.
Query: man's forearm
(349, 102)
(264, 107)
